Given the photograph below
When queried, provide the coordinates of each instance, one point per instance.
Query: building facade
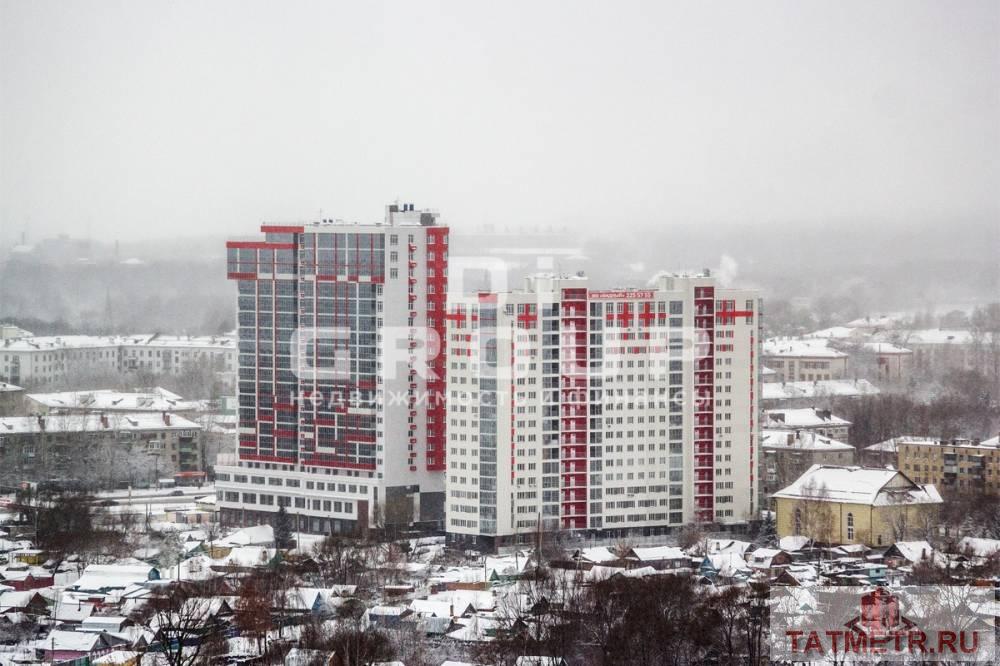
(108, 401)
(855, 505)
(893, 362)
(99, 450)
(957, 465)
(341, 410)
(804, 360)
(40, 360)
(789, 453)
(809, 419)
(610, 411)
(11, 397)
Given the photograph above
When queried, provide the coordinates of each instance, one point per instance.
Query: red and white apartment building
(623, 411)
(341, 411)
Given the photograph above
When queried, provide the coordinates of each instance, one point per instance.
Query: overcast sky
(146, 119)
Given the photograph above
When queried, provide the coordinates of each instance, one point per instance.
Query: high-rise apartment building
(615, 411)
(341, 416)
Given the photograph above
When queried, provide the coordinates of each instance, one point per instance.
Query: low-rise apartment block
(804, 360)
(105, 450)
(39, 360)
(11, 397)
(107, 400)
(957, 465)
(789, 453)
(809, 419)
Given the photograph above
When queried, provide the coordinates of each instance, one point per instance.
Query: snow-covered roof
(803, 572)
(879, 321)
(19, 599)
(103, 577)
(257, 535)
(892, 445)
(116, 658)
(73, 611)
(833, 333)
(805, 417)
(885, 348)
(763, 557)
(825, 388)
(793, 543)
(103, 623)
(800, 347)
(979, 547)
(599, 572)
(935, 336)
(197, 567)
(388, 611)
(480, 600)
(7, 387)
(14, 574)
(507, 565)
(428, 608)
(74, 423)
(61, 640)
(915, 551)
(476, 629)
(859, 485)
(598, 555)
(460, 575)
(7, 545)
(138, 341)
(728, 546)
(802, 440)
(155, 400)
(729, 565)
(658, 553)
(247, 556)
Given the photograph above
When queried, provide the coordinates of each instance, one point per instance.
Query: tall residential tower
(341, 411)
(626, 410)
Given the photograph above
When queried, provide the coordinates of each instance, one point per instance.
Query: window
(850, 527)
(798, 521)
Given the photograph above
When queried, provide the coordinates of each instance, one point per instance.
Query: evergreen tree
(282, 528)
(768, 530)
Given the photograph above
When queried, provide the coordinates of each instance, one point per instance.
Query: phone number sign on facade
(622, 294)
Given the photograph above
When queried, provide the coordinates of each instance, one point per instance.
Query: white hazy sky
(146, 119)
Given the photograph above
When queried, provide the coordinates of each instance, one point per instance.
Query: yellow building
(961, 465)
(834, 504)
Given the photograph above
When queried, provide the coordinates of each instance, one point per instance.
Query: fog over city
(466, 333)
(830, 142)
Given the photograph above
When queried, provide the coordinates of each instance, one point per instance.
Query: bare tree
(184, 619)
(813, 516)
(253, 611)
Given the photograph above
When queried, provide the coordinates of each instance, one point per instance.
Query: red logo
(880, 615)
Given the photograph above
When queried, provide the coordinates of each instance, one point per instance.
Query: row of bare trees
(661, 620)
